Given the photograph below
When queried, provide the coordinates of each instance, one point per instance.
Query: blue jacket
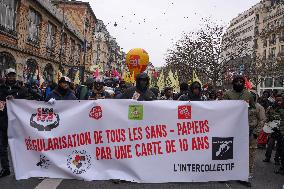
(48, 91)
(57, 96)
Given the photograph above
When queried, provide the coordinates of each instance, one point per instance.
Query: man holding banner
(10, 90)
(240, 93)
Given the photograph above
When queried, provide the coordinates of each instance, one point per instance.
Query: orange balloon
(137, 60)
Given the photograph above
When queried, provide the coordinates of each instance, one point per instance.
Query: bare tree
(209, 52)
(260, 68)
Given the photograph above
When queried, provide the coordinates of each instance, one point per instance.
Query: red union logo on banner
(45, 119)
(45, 114)
(184, 112)
(96, 113)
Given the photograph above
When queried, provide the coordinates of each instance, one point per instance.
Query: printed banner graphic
(145, 142)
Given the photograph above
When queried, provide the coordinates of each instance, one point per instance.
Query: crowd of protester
(262, 110)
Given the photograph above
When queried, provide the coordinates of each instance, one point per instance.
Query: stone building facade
(81, 15)
(108, 54)
(34, 41)
(245, 28)
(271, 40)
(263, 28)
(101, 50)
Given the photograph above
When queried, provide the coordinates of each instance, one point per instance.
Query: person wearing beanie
(62, 91)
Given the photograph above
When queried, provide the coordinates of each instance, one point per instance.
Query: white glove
(51, 101)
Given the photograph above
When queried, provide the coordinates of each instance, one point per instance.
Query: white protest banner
(147, 142)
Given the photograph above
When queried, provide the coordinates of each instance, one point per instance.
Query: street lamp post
(62, 39)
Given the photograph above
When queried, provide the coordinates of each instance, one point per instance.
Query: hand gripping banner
(145, 142)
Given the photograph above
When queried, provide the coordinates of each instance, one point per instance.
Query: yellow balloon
(137, 60)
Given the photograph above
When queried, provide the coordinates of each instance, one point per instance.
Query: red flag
(248, 84)
(155, 74)
(96, 73)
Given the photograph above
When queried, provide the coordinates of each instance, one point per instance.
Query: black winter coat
(146, 96)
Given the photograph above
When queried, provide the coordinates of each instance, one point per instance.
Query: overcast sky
(155, 24)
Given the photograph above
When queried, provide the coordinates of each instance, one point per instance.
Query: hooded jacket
(15, 90)
(190, 96)
(144, 93)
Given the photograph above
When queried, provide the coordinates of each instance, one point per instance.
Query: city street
(264, 179)
(172, 93)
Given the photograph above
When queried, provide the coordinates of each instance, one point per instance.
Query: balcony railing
(280, 54)
(281, 38)
(272, 42)
(272, 28)
(265, 43)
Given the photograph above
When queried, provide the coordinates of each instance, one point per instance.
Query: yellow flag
(132, 78)
(59, 75)
(195, 78)
(125, 77)
(77, 78)
(161, 81)
(189, 82)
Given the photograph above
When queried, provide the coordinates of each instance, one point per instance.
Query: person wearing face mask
(62, 91)
(240, 93)
(141, 91)
(10, 89)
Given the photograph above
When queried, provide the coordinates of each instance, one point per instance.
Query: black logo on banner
(43, 162)
(222, 148)
(45, 119)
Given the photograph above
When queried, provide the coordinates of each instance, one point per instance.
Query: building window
(48, 73)
(272, 52)
(278, 82)
(73, 50)
(264, 55)
(282, 49)
(34, 26)
(31, 69)
(272, 39)
(265, 43)
(6, 61)
(281, 37)
(78, 55)
(268, 82)
(50, 36)
(63, 44)
(7, 15)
